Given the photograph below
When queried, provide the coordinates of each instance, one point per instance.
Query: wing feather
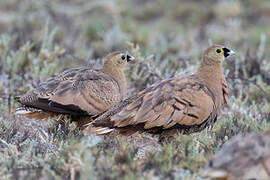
(88, 90)
(182, 101)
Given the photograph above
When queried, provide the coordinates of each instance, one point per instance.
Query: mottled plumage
(188, 103)
(82, 91)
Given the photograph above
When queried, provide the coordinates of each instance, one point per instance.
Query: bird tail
(99, 130)
(82, 121)
(29, 112)
(17, 99)
(86, 125)
(32, 113)
(102, 130)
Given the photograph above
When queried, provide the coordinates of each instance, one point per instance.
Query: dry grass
(41, 38)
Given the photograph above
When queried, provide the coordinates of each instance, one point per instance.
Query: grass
(41, 38)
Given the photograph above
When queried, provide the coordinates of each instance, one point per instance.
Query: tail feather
(99, 130)
(87, 124)
(17, 98)
(82, 121)
(25, 110)
(33, 113)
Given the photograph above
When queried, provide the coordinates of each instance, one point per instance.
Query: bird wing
(75, 91)
(182, 101)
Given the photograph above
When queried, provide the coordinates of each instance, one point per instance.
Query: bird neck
(119, 76)
(212, 75)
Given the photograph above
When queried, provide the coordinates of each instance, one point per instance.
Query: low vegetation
(41, 38)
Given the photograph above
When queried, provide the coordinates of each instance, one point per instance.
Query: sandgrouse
(81, 91)
(188, 103)
(241, 158)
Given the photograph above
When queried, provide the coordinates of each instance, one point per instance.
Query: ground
(41, 38)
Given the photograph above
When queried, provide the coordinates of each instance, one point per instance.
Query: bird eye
(123, 57)
(219, 51)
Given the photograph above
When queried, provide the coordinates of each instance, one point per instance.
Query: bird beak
(130, 58)
(231, 52)
(228, 52)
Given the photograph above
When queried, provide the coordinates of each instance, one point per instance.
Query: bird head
(118, 59)
(216, 54)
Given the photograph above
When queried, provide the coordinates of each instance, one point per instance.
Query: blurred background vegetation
(39, 38)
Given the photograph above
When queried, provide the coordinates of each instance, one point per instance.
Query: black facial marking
(226, 52)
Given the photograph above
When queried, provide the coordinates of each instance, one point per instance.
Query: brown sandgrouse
(81, 91)
(188, 103)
